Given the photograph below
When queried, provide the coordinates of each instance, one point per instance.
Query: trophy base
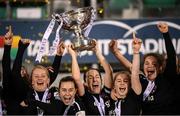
(82, 45)
(82, 48)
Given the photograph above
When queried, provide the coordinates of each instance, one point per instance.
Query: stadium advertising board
(102, 30)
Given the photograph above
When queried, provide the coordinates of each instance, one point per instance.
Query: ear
(86, 80)
(102, 83)
(32, 82)
(76, 90)
(48, 81)
(161, 69)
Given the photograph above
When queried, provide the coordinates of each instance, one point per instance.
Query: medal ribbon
(67, 109)
(1, 113)
(40, 111)
(100, 105)
(118, 108)
(148, 90)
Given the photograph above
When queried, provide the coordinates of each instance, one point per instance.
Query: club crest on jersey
(107, 103)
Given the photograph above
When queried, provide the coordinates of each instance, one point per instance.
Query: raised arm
(125, 62)
(20, 83)
(76, 71)
(106, 66)
(16, 70)
(6, 62)
(170, 69)
(135, 81)
(53, 71)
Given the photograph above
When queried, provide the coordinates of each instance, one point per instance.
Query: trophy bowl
(76, 21)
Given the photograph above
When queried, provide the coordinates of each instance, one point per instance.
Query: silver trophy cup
(77, 21)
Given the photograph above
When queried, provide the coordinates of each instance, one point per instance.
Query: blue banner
(103, 31)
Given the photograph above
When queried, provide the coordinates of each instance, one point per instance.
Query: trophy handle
(57, 17)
